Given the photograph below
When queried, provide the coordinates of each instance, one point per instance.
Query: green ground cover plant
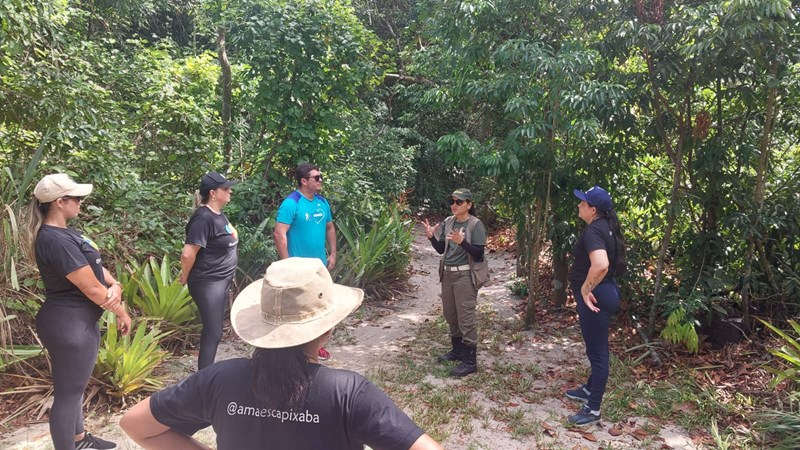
(153, 288)
(126, 363)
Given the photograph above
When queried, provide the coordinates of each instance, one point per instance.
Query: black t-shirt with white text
(59, 252)
(218, 240)
(343, 411)
(596, 236)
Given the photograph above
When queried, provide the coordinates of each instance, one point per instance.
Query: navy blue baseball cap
(597, 197)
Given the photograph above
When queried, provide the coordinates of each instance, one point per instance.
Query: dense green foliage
(688, 112)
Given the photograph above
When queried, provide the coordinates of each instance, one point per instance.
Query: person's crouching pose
(281, 398)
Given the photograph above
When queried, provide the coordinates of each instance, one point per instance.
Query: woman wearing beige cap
(281, 398)
(77, 290)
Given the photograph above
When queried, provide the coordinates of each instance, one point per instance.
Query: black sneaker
(90, 442)
(583, 417)
(580, 393)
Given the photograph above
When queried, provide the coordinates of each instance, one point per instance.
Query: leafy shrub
(127, 362)
(782, 426)
(160, 295)
(12, 204)
(519, 287)
(378, 154)
(680, 330)
(380, 254)
(789, 353)
(256, 251)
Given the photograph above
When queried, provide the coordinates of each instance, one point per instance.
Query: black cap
(214, 180)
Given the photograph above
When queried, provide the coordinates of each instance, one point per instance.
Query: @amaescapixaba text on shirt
(218, 241)
(343, 411)
(59, 252)
(307, 220)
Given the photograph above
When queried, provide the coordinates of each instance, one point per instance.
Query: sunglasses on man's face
(315, 177)
(71, 197)
(458, 202)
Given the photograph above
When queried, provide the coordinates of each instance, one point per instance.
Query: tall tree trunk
(225, 81)
(538, 236)
(560, 274)
(753, 241)
(676, 155)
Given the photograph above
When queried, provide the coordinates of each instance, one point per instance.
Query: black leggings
(71, 336)
(211, 298)
(594, 327)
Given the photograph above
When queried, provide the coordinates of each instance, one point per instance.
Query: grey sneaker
(584, 417)
(580, 394)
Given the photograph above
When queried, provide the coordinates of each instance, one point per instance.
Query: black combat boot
(455, 354)
(469, 363)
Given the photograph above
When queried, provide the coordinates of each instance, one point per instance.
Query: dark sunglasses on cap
(315, 177)
(458, 202)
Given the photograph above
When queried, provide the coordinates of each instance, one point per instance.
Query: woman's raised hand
(429, 230)
(456, 235)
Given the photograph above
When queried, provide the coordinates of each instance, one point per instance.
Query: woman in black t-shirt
(599, 257)
(208, 261)
(282, 398)
(77, 290)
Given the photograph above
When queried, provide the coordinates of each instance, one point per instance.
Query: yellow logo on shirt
(90, 242)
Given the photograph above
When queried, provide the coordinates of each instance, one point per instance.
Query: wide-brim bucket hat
(295, 303)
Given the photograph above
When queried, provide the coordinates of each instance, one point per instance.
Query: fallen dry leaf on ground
(640, 434)
(616, 430)
(686, 407)
(589, 437)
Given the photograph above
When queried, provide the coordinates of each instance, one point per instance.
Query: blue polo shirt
(307, 220)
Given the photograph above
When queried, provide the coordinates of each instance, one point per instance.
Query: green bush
(127, 362)
(370, 257)
(519, 287)
(782, 426)
(159, 295)
(256, 251)
(789, 353)
(680, 330)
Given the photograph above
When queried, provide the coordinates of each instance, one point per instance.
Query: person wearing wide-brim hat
(77, 290)
(208, 261)
(599, 257)
(460, 239)
(282, 397)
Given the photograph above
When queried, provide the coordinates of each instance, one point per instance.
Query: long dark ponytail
(620, 266)
(280, 377)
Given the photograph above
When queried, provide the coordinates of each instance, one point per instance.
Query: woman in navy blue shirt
(599, 258)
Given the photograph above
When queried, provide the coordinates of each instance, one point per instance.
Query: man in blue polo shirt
(305, 223)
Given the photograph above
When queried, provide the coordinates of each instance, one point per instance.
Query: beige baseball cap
(57, 185)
